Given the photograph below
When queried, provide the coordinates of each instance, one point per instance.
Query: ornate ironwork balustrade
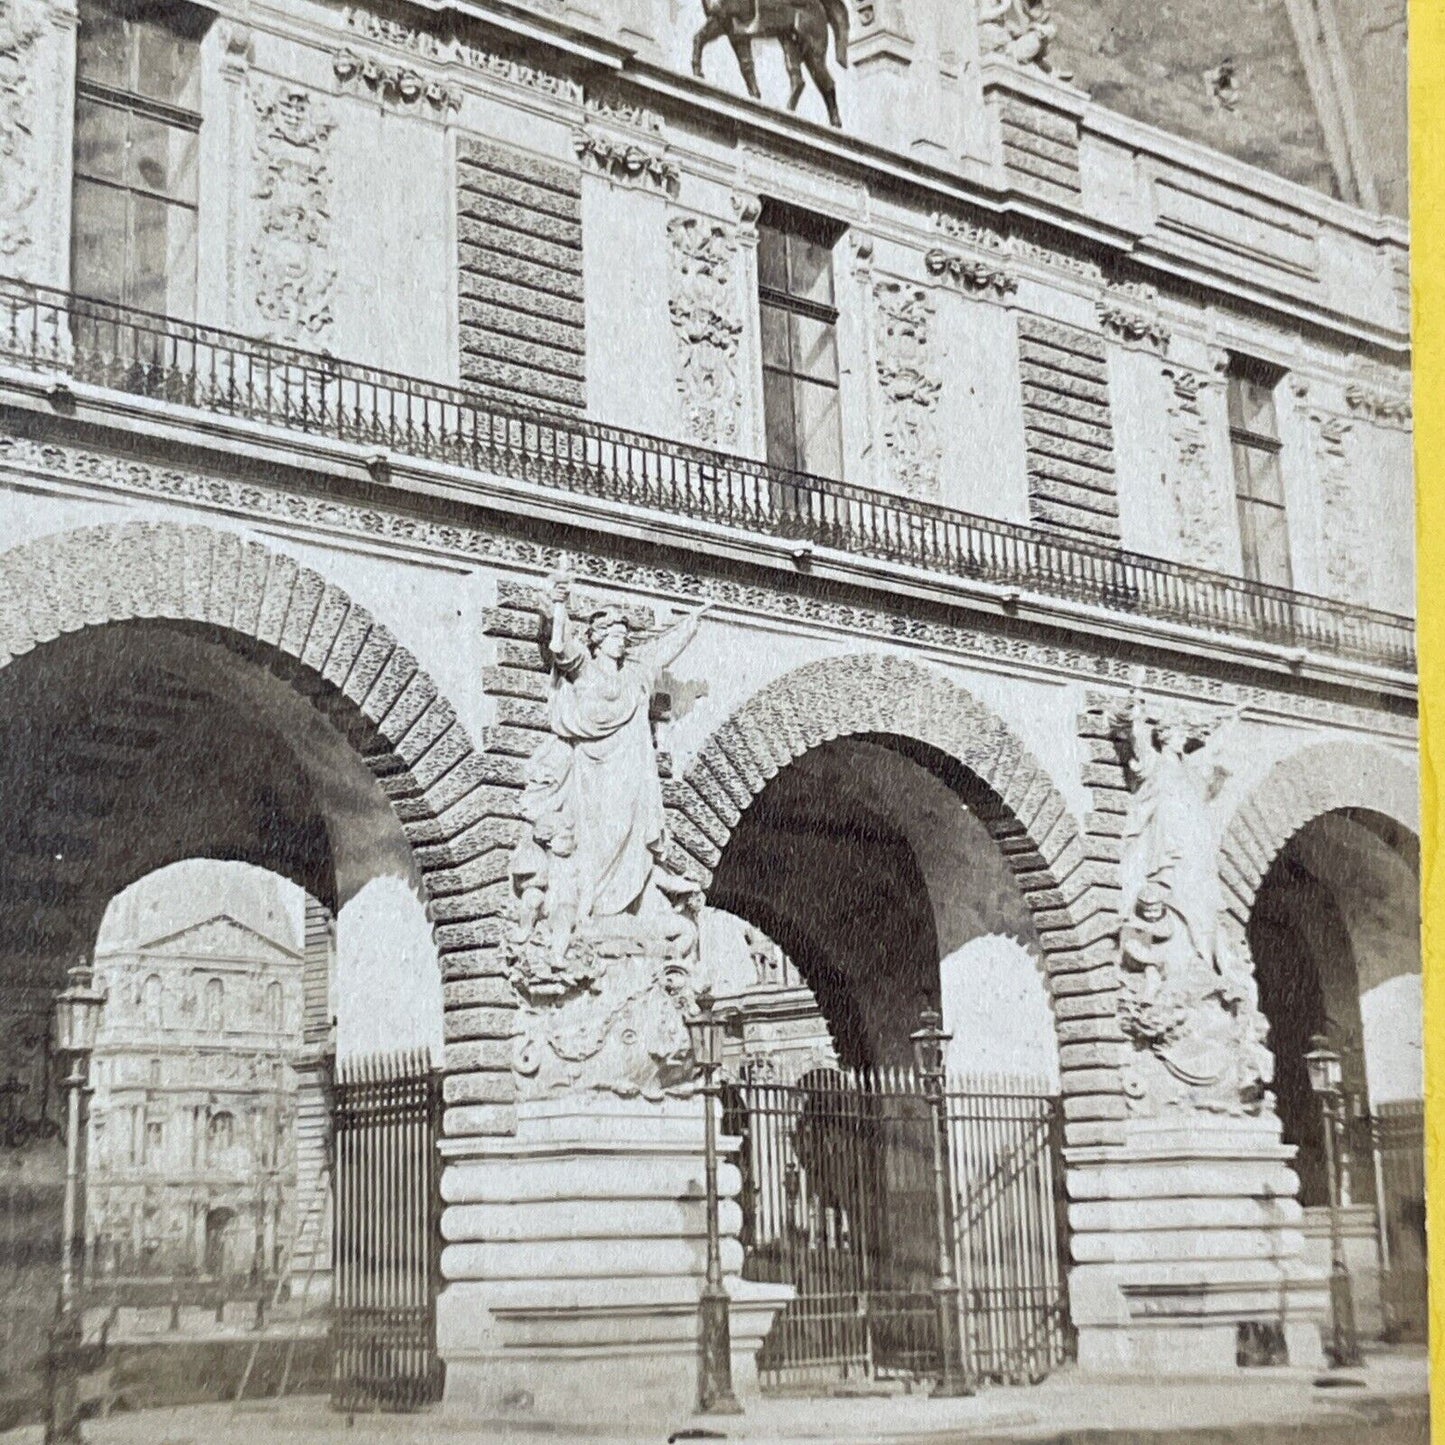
(48, 331)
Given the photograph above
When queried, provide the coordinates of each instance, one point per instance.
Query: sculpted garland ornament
(605, 941)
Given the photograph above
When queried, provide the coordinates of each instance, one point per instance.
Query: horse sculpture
(801, 28)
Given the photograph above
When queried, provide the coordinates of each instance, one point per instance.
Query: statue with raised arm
(602, 924)
(1187, 1001)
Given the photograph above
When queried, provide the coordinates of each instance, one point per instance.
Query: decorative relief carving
(399, 84)
(1188, 1001)
(979, 237)
(625, 161)
(38, 461)
(494, 64)
(1380, 395)
(707, 319)
(289, 272)
(1129, 312)
(21, 24)
(969, 273)
(605, 938)
(908, 378)
(1018, 30)
(1346, 573)
(1200, 506)
(609, 104)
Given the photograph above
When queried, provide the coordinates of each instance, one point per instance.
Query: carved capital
(747, 207)
(1129, 313)
(969, 273)
(626, 162)
(399, 85)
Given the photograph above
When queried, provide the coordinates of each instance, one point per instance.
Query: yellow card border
(1427, 214)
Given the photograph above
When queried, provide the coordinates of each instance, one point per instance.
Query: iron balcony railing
(50, 331)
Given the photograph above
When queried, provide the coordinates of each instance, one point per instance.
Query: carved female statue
(1169, 839)
(593, 796)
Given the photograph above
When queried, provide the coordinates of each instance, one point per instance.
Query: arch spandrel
(287, 618)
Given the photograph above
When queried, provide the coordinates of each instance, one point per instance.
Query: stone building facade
(1048, 473)
(192, 1160)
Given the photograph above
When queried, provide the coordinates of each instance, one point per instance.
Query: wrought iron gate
(838, 1201)
(387, 1235)
(1397, 1141)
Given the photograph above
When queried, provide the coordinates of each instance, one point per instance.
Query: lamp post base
(62, 1368)
(1344, 1349)
(715, 1355)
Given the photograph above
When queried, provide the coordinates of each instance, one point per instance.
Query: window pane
(819, 440)
(1264, 542)
(102, 47)
(1266, 484)
(163, 158)
(1257, 405)
(815, 352)
(775, 338)
(98, 241)
(772, 259)
(166, 65)
(100, 140)
(163, 257)
(811, 270)
(778, 417)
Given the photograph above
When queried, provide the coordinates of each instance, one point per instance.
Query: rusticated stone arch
(1322, 778)
(898, 701)
(287, 618)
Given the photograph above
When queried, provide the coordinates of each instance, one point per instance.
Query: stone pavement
(1384, 1404)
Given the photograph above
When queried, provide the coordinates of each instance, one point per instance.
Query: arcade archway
(172, 693)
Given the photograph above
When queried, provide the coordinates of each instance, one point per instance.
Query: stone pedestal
(1189, 1230)
(575, 1254)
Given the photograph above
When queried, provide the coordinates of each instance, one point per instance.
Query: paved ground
(1385, 1405)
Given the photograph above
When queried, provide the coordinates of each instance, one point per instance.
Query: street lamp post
(929, 1042)
(77, 1021)
(1326, 1073)
(714, 1332)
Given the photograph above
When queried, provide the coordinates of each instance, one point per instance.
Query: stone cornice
(1092, 653)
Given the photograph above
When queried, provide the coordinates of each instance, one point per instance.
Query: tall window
(800, 346)
(137, 128)
(1258, 485)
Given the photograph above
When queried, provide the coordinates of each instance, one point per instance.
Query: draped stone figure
(1189, 999)
(605, 935)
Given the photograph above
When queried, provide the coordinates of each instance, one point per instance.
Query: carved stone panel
(1201, 503)
(906, 364)
(706, 315)
(1346, 574)
(289, 275)
(21, 25)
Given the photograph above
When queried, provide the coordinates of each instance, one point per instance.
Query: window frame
(789, 223)
(1248, 503)
(185, 23)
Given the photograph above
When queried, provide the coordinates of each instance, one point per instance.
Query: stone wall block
(276, 598)
(480, 871)
(479, 992)
(1103, 1028)
(1103, 978)
(1102, 1106)
(694, 841)
(683, 799)
(487, 963)
(491, 1086)
(1093, 1054)
(492, 1021)
(733, 746)
(485, 902)
(330, 617)
(509, 620)
(479, 1119)
(408, 707)
(478, 933)
(1094, 1134)
(480, 801)
(348, 649)
(728, 782)
(300, 612)
(513, 682)
(1101, 1006)
(442, 756)
(523, 712)
(486, 835)
(523, 655)
(197, 569)
(719, 801)
(167, 544)
(480, 1054)
(250, 588)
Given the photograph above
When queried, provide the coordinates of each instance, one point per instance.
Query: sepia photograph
(708, 724)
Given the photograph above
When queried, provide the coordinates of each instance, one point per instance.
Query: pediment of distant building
(219, 936)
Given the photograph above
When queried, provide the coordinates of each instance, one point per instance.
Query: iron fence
(838, 1201)
(49, 331)
(1397, 1141)
(388, 1233)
